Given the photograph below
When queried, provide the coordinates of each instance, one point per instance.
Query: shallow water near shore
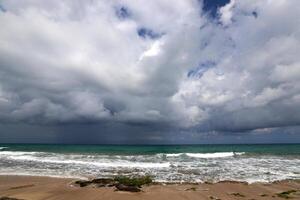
(173, 163)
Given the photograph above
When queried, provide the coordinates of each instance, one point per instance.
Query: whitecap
(16, 153)
(173, 154)
(213, 155)
(105, 163)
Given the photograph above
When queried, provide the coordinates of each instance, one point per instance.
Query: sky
(149, 72)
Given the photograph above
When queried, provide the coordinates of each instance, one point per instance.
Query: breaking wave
(164, 167)
(206, 155)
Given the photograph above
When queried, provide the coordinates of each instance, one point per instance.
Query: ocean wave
(175, 167)
(1, 148)
(207, 155)
(174, 154)
(105, 163)
(17, 153)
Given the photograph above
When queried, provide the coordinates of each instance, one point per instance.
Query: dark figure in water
(234, 154)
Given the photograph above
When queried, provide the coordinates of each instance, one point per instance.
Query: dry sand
(37, 188)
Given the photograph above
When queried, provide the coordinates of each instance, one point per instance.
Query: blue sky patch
(2, 9)
(201, 69)
(122, 12)
(254, 13)
(148, 33)
(211, 6)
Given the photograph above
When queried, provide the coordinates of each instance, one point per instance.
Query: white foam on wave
(16, 153)
(212, 155)
(173, 154)
(105, 163)
(178, 167)
(206, 155)
(45, 174)
(3, 148)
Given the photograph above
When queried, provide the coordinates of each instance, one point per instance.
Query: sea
(164, 163)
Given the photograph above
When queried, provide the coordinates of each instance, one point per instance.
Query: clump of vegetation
(191, 189)
(22, 186)
(133, 181)
(264, 195)
(237, 194)
(286, 194)
(83, 183)
(122, 183)
(214, 198)
(8, 198)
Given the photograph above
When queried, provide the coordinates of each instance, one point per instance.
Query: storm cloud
(157, 66)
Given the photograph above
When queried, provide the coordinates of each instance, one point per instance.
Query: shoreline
(40, 187)
(154, 182)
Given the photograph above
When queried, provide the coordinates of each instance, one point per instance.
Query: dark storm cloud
(95, 64)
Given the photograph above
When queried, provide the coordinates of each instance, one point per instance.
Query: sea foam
(40, 157)
(207, 155)
(170, 167)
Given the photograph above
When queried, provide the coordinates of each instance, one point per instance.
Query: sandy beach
(38, 188)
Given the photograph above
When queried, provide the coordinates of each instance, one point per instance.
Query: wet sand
(38, 188)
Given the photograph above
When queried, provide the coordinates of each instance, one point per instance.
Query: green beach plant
(286, 194)
(133, 181)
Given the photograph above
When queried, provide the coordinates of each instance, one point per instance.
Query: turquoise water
(165, 163)
(272, 149)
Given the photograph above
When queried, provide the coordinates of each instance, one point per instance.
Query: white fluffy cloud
(124, 61)
(254, 81)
